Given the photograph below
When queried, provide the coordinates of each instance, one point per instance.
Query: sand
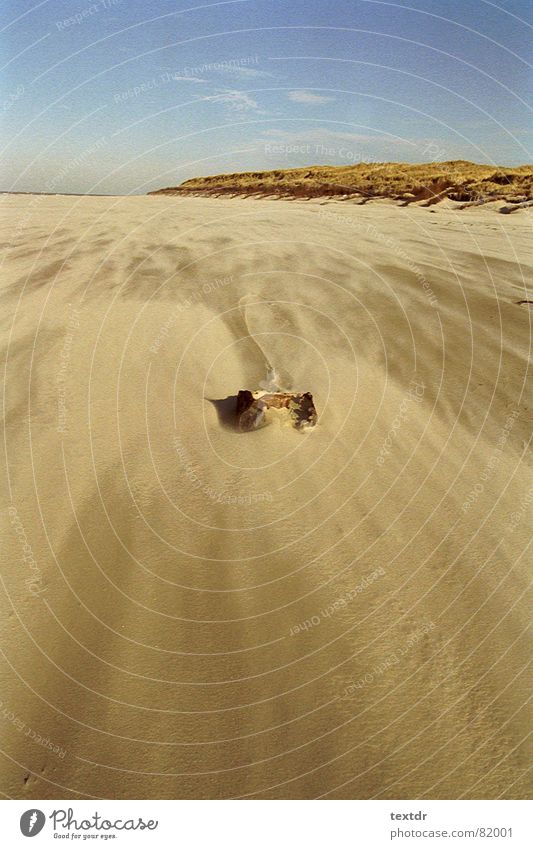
(189, 611)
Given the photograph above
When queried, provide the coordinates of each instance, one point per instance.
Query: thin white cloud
(238, 101)
(244, 72)
(177, 78)
(307, 97)
(323, 135)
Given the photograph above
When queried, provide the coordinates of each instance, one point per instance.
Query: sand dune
(464, 183)
(190, 611)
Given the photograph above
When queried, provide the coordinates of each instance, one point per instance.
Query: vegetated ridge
(465, 182)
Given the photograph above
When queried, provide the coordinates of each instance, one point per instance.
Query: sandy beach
(193, 612)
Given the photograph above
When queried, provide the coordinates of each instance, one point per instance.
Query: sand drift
(195, 605)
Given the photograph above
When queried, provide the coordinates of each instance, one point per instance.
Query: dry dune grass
(459, 180)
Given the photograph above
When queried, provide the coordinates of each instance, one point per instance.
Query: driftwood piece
(522, 205)
(252, 408)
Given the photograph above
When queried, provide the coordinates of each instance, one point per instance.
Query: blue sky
(124, 96)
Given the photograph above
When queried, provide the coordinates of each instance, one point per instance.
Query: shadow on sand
(226, 411)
